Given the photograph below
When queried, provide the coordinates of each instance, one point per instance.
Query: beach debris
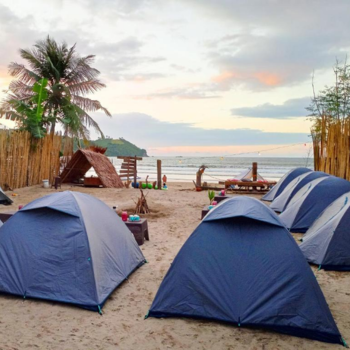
(141, 205)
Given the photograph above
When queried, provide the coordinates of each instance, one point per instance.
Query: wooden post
(159, 174)
(135, 172)
(199, 179)
(255, 171)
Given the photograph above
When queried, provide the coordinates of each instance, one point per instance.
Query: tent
(327, 242)
(248, 175)
(280, 202)
(4, 199)
(309, 202)
(85, 159)
(67, 247)
(1, 223)
(283, 183)
(242, 266)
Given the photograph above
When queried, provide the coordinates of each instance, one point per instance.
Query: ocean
(219, 168)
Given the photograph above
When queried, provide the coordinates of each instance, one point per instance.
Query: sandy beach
(35, 324)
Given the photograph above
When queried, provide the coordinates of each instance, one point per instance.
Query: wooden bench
(139, 230)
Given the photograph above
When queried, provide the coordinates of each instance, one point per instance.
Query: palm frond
(22, 73)
(89, 105)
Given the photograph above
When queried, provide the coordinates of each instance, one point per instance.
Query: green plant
(211, 195)
(30, 114)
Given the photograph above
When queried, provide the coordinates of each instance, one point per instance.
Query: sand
(35, 324)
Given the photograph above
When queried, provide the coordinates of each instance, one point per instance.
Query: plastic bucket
(46, 184)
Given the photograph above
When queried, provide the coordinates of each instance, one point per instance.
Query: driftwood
(141, 205)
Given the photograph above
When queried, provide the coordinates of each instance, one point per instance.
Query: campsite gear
(310, 201)
(56, 183)
(141, 205)
(46, 184)
(144, 186)
(150, 186)
(125, 216)
(283, 183)
(327, 242)
(165, 179)
(67, 247)
(214, 202)
(280, 202)
(139, 229)
(20, 207)
(210, 206)
(4, 199)
(242, 266)
(1, 223)
(135, 185)
(222, 192)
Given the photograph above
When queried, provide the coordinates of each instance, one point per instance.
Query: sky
(194, 77)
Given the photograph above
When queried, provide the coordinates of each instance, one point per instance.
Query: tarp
(283, 183)
(245, 269)
(4, 199)
(327, 242)
(68, 247)
(310, 201)
(248, 175)
(281, 201)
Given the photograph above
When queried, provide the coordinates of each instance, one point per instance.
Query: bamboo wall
(25, 161)
(331, 145)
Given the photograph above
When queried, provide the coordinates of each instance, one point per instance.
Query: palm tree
(70, 78)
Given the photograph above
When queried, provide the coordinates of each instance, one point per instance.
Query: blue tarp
(245, 269)
(299, 215)
(68, 247)
(283, 183)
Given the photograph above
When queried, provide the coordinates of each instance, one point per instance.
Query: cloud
(147, 131)
(289, 109)
(186, 93)
(274, 43)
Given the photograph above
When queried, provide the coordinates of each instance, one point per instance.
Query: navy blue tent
(310, 201)
(242, 266)
(68, 247)
(281, 202)
(327, 242)
(283, 183)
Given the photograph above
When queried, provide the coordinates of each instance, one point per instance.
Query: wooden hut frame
(85, 159)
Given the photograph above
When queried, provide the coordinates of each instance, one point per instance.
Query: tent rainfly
(67, 247)
(310, 201)
(281, 202)
(327, 242)
(283, 183)
(242, 266)
(83, 160)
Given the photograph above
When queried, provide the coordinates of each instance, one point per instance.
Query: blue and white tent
(242, 266)
(283, 183)
(327, 242)
(310, 201)
(68, 247)
(281, 201)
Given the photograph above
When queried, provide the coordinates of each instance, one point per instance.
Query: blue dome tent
(281, 202)
(283, 183)
(327, 242)
(67, 247)
(310, 201)
(242, 266)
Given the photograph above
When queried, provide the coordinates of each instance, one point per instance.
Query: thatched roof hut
(84, 159)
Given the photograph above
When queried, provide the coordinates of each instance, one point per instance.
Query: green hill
(118, 147)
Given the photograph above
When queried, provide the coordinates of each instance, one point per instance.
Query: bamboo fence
(25, 161)
(331, 145)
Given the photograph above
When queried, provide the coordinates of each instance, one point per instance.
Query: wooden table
(6, 215)
(139, 230)
(220, 198)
